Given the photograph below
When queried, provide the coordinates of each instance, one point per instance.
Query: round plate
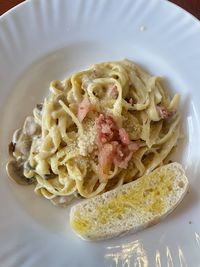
(43, 40)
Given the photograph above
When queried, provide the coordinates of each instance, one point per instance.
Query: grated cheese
(86, 141)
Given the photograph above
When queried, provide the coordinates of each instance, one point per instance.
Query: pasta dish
(96, 130)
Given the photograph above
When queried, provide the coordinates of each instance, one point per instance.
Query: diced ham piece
(133, 147)
(130, 101)
(106, 129)
(105, 158)
(121, 160)
(164, 113)
(124, 137)
(124, 154)
(83, 109)
(114, 91)
(114, 145)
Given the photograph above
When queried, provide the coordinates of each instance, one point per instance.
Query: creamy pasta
(96, 130)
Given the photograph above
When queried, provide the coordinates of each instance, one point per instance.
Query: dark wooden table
(193, 6)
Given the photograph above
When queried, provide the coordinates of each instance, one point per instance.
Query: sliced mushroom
(62, 201)
(39, 106)
(16, 135)
(38, 111)
(11, 149)
(15, 172)
(23, 145)
(28, 167)
(30, 127)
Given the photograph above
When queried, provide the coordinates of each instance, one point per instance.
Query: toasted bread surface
(131, 207)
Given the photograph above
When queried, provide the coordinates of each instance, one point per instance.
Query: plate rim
(167, 2)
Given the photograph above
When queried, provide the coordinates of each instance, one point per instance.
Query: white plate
(42, 40)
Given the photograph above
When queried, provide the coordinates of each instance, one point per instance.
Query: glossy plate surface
(43, 40)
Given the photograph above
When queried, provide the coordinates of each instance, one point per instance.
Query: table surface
(192, 6)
